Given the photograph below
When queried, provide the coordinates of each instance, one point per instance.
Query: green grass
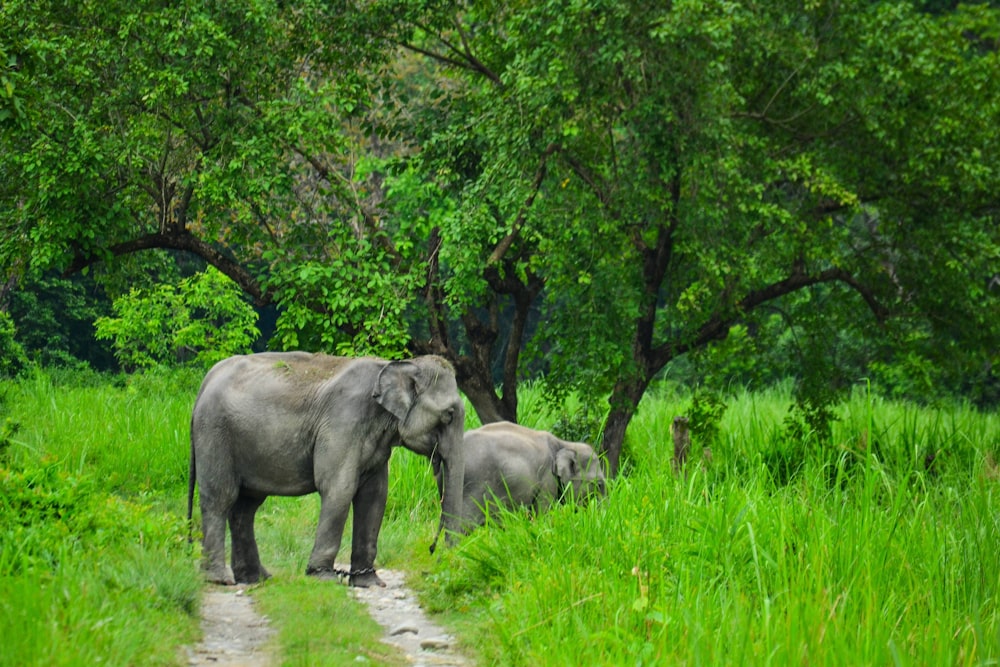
(861, 555)
(879, 547)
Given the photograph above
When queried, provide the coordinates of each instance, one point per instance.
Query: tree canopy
(671, 171)
(599, 188)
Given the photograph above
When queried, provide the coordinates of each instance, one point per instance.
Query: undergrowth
(872, 541)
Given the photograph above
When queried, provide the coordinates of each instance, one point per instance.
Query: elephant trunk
(450, 458)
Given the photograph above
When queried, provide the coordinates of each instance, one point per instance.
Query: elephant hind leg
(214, 512)
(247, 568)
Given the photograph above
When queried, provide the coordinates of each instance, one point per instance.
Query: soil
(236, 634)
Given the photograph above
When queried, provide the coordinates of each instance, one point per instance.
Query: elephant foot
(363, 578)
(324, 573)
(252, 577)
(222, 576)
(366, 579)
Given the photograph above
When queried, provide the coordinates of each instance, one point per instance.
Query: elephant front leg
(334, 506)
(247, 568)
(369, 509)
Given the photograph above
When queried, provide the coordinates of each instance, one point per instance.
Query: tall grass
(133, 435)
(92, 571)
(881, 546)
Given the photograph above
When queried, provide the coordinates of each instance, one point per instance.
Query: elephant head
(422, 394)
(579, 471)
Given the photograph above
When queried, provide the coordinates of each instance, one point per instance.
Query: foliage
(202, 319)
(48, 514)
(351, 304)
(81, 570)
(217, 129)
(132, 435)
(705, 415)
(12, 356)
(596, 189)
(8, 429)
(727, 564)
(55, 320)
(675, 174)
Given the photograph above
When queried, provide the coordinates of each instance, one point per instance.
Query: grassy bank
(880, 547)
(95, 567)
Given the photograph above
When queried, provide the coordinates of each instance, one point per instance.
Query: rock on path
(395, 608)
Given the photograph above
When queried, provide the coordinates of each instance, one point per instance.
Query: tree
(670, 171)
(640, 179)
(219, 129)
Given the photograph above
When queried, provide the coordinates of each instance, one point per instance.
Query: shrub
(202, 319)
(12, 356)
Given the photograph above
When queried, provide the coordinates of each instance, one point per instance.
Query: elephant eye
(447, 416)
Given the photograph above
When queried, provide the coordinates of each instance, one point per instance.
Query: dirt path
(235, 633)
(406, 625)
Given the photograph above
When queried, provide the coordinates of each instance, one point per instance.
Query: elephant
(512, 465)
(294, 423)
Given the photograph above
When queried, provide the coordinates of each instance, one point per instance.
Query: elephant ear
(564, 466)
(397, 387)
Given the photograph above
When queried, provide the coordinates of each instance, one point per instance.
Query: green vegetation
(202, 319)
(95, 565)
(862, 555)
(759, 189)
(588, 195)
(875, 546)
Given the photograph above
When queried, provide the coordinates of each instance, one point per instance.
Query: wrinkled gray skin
(293, 423)
(519, 466)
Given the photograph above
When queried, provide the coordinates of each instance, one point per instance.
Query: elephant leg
(213, 528)
(335, 503)
(246, 559)
(369, 509)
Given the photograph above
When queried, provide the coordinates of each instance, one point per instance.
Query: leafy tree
(625, 183)
(668, 172)
(218, 129)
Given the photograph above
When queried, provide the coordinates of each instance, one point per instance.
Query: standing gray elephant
(293, 423)
(517, 466)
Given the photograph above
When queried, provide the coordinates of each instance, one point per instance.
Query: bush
(49, 514)
(201, 320)
(12, 356)
(87, 577)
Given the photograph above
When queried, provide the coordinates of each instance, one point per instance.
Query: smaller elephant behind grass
(514, 466)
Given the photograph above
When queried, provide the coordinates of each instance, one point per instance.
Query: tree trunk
(624, 403)
(474, 367)
(614, 437)
(488, 405)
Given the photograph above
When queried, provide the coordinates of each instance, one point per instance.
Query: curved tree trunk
(624, 403)
(489, 406)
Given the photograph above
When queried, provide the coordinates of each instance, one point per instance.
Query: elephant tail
(191, 480)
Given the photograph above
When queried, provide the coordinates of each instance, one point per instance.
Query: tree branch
(505, 243)
(717, 327)
(188, 243)
(468, 60)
